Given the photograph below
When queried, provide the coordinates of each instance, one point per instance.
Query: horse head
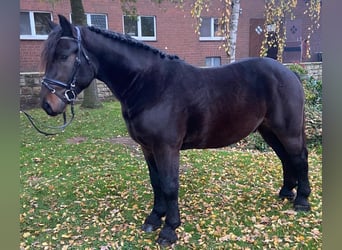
(68, 69)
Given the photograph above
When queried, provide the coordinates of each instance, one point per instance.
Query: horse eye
(64, 57)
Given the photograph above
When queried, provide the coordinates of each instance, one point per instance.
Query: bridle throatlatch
(69, 95)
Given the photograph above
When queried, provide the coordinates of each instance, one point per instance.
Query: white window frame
(88, 16)
(140, 37)
(212, 61)
(34, 36)
(212, 36)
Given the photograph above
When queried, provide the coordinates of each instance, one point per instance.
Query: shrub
(313, 105)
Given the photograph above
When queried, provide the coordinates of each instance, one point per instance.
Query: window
(211, 29)
(97, 20)
(212, 61)
(140, 27)
(34, 25)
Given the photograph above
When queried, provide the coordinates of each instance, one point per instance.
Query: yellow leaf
(27, 234)
(66, 236)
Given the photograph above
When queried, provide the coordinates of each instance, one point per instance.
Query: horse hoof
(289, 195)
(167, 237)
(164, 242)
(302, 208)
(148, 228)
(290, 198)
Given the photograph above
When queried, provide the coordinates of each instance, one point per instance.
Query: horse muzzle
(53, 105)
(48, 109)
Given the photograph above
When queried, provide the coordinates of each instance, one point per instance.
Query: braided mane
(131, 41)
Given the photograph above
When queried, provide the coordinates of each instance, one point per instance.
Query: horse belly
(222, 139)
(221, 134)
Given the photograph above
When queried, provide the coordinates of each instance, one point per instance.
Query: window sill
(211, 39)
(31, 37)
(144, 38)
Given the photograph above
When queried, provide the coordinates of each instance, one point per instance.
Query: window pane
(218, 28)
(205, 27)
(41, 22)
(130, 25)
(98, 21)
(212, 61)
(147, 26)
(25, 28)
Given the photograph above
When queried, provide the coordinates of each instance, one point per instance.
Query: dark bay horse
(169, 105)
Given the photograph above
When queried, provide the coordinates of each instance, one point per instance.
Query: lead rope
(44, 127)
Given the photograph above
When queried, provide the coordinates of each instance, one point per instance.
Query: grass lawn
(83, 189)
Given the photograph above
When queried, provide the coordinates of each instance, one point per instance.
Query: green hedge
(313, 105)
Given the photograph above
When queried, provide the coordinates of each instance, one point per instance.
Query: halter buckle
(70, 95)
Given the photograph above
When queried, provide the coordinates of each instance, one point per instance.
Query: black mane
(131, 41)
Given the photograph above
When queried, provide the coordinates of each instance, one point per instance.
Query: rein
(58, 129)
(69, 95)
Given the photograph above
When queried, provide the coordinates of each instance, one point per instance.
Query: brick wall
(175, 28)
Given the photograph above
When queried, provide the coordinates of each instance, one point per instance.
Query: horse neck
(118, 64)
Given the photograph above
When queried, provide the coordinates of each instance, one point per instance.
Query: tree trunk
(234, 21)
(90, 97)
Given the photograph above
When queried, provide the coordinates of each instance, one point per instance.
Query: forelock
(49, 46)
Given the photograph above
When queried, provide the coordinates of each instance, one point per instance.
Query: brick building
(168, 28)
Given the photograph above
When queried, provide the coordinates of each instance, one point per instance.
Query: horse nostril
(47, 107)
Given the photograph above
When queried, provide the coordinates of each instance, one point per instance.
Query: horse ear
(66, 26)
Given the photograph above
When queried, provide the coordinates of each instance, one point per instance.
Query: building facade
(168, 28)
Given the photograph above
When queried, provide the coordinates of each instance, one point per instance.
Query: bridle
(70, 93)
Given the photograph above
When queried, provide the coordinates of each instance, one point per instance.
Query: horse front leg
(165, 182)
(153, 221)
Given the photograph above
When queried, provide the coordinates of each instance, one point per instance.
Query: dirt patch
(123, 140)
(76, 140)
(115, 140)
(126, 141)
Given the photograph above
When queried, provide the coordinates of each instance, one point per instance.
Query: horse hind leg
(295, 168)
(300, 165)
(289, 178)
